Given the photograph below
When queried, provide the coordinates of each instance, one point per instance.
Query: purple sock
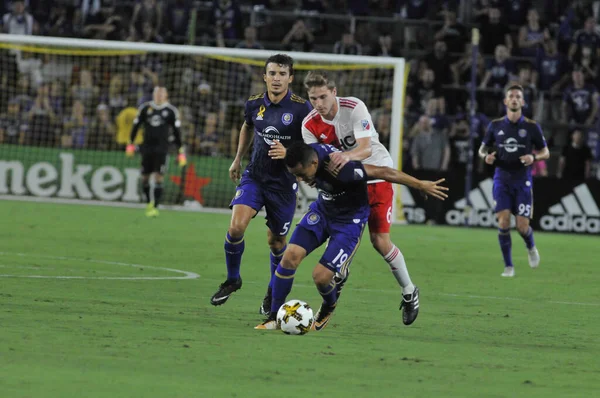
(329, 293)
(528, 238)
(505, 246)
(234, 248)
(283, 279)
(275, 259)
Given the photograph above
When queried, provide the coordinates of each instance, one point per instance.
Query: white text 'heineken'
(68, 180)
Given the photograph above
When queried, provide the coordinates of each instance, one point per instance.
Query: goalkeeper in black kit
(157, 117)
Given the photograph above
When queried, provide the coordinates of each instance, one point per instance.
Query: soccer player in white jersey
(345, 122)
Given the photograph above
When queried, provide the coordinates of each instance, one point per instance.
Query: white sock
(398, 267)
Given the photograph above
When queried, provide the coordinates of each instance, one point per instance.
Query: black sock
(146, 189)
(158, 190)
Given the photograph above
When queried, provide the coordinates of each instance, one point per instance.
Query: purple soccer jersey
(512, 180)
(266, 182)
(339, 214)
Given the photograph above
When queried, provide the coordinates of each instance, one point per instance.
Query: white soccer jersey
(351, 122)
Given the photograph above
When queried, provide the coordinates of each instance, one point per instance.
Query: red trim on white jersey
(348, 103)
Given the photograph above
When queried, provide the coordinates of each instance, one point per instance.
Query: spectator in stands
(515, 11)
(425, 89)
(249, 41)
(430, 151)
(177, 19)
(412, 10)
(228, 20)
(85, 91)
(384, 47)
(580, 101)
(585, 38)
(299, 38)
(23, 93)
(348, 45)
(19, 22)
(383, 124)
(12, 125)
(142, 82)
(495, 33)
(58, 23)
(204, 101)
(576, 159)
(483, 8)
(498, 70)
(453, 33)
(124, 122)
(115, 98)
(532, 35)
(75, 127)
(461, 69)
(149, 34)
(103, 132)
(439, 61)
(57, 96)
(552, 68)
(209, 138)
(529, 91)
(146, 12)
(42, 119)
(104, 24)
(313, 7)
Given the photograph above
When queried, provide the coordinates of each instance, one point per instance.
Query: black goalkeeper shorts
(154, 163)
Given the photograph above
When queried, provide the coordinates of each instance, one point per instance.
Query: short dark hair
(514, 86)
(318, 78)
(281, 60)
(299, 152)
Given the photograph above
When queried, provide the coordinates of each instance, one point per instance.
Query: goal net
(68, 106)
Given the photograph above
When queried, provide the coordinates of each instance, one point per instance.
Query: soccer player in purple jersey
(514, 137)
(273, 116)
(338, 217)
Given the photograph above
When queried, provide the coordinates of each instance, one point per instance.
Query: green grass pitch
(101, 333)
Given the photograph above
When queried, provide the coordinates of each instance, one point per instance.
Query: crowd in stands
(551, 47)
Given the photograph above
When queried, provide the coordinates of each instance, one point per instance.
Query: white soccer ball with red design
(295, 317)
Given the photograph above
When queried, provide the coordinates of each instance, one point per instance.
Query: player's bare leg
(234, 248)
(277, 244)
(395, 259)
(505, 242)
(283, 279)
(323, 278)
(526, 233)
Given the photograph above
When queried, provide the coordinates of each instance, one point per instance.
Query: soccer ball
(295, 317)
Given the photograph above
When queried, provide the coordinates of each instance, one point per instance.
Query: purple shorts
(280, 206)
(344, 237)
(514, 196)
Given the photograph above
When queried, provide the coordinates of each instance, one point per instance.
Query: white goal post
(87, 51)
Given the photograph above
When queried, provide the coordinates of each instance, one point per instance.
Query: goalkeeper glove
(130, 150)
(181, 158)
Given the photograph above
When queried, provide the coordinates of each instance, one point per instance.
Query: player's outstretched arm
(432, 188)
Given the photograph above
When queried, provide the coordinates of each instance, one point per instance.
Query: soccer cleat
(534, 257)
(265, 307)
(152, 213)
(509, 272)
(225, 290)
(268, 324)
(410, 306)
(323, 316)
(151, 210)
